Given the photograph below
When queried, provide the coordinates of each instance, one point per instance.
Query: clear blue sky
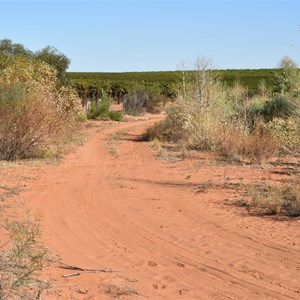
(117, 36)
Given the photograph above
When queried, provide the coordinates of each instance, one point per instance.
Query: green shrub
(115, 116)
(99, 109)
(280, 106)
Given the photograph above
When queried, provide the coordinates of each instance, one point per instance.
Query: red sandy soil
(166, 225)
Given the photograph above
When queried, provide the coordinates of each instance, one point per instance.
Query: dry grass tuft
(275, 200)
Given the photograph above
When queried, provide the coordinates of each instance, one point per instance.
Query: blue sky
(116, 36)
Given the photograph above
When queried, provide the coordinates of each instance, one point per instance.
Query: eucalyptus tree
(59, 61)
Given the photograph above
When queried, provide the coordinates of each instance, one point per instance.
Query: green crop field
(121, 82)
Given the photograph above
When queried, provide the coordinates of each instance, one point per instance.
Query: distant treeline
(118, 84)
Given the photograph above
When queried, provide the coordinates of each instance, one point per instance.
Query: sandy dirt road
(150, 220)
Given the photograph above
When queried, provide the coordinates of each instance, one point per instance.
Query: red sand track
(144, 217)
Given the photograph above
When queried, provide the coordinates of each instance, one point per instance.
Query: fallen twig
(66, 267)
(81, 291)
(75, 268)
(5, 244)
(70, 275)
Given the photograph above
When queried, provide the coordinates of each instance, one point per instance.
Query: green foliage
(81, 117)
(13, 98)
(115, 116)
(169, 81)
(286, 133)
(168, 130)
(99, 109)
(279, 106)
(59, 61)
(12, 49)
(50, 55)
(198, 110)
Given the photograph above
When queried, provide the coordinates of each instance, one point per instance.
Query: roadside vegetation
(275, 200)
(211, 117)
(219, 112)
(208, 116)
(101, 109)
(22, 257)
(37, 109)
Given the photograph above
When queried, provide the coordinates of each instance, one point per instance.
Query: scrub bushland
(36, 111)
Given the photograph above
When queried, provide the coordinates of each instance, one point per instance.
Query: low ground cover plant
(21, 259)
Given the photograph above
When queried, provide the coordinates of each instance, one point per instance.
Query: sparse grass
(22, 258)
(156, 145)
(275, 200)
(115, 140)
(119, 291)
(9, 191)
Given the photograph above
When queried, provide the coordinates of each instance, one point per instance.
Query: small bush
(286, 133)
(81, 117)
(24, 258)
(115, 116)
(260, 146)
(280, 106)
(99, 109)
(29, 125)
(284, 201)
(231, 141)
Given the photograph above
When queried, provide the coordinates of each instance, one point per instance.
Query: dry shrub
(35, 114)
(284, 201)
(286, 133)
(260, 145)
(200, 108)
(236, 143)
(31, 131)
(231, 141)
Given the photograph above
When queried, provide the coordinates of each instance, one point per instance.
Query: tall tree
(59, 61)
(7, 47)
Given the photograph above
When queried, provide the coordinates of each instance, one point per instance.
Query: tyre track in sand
(131, 212)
